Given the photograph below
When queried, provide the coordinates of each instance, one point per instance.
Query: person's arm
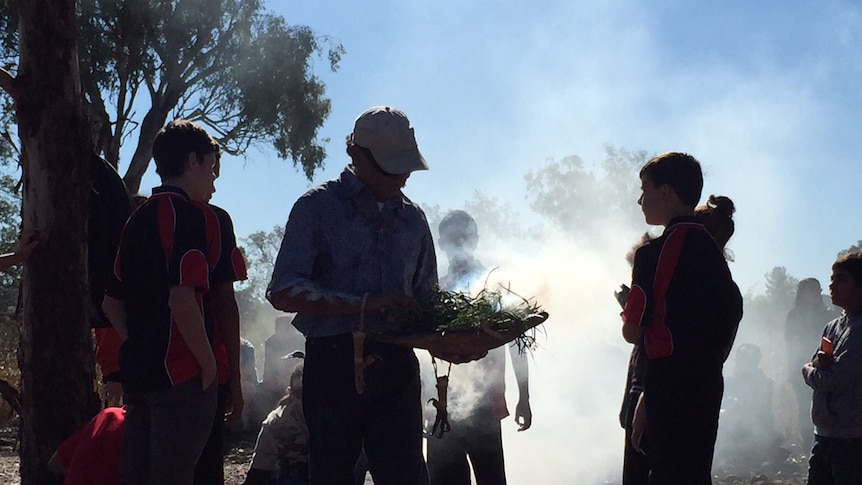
(26, 243)
(308, 299)
(190, 323)
(844, 369)
(226, 316)
(523, 413)
(638, 424)
(632, 333)
(637, 308)
(115, 310)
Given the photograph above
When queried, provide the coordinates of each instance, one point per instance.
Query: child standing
(683, 310)
(835, 374)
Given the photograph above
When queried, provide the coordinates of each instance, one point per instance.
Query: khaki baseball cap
(387, 133)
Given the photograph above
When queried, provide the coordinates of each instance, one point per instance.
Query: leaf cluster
(582, 197)
(448, 311)
(231, 65)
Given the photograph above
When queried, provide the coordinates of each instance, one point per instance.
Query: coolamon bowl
(449, 344)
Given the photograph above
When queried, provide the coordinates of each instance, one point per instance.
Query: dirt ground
(236, 459)
(239, 455)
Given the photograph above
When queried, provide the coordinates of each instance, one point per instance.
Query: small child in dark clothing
(835, 374)
(683, 311)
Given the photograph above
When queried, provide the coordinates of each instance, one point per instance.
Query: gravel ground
(239, 455)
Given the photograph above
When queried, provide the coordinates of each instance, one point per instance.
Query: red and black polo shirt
(685, 298)
(165, 243)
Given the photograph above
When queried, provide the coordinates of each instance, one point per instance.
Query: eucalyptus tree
(55, 352)
(232, 65)
(243, 72)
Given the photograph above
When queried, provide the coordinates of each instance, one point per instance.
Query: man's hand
(523, 415)
(823, 360)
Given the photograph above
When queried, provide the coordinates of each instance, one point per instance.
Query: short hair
(680, 171)
(717, 217)
(458, 228)
(175, 141)
(851, 263)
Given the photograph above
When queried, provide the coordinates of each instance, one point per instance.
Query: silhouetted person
(277, 369)
(354, 249)
(475, 429)
(747, 439)
(717, 218)
(281, 450)
(683, 310)
(802, 330)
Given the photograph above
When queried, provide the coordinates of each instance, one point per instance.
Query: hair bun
(722, 205)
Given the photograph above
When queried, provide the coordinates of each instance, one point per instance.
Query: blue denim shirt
(339, 243)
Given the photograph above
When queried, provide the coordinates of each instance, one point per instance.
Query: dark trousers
(835, 461)
(682, 423)
(636, 468)
(165, 433)
(210, 467)
(481, 439)
(386, 420)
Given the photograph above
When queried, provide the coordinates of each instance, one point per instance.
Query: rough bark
(55, 354)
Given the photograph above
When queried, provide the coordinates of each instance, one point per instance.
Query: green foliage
(578, 199)
(260, 250)
(228, 64)
(10, 220)
(780, 288)
(852, 249)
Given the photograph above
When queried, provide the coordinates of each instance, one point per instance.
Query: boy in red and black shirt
(683, 310)
(162, 272)
(221, 315)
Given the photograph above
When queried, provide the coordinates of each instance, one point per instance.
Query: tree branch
(7, 83)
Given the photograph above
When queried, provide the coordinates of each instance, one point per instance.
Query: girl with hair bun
(717, 216)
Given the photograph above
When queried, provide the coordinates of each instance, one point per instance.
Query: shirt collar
(681, 220)
(353, 187)
(171, 190)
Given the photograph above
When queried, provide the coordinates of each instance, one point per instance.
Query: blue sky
(765, 94)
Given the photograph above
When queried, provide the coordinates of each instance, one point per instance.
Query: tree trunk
(56, 350)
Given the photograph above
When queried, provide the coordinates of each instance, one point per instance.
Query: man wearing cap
(354, 248)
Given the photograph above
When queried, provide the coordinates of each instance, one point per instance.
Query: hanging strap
(359, 363)
(441, 421)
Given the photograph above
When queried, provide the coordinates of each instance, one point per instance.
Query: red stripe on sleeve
(194, 270)
(239, 267)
